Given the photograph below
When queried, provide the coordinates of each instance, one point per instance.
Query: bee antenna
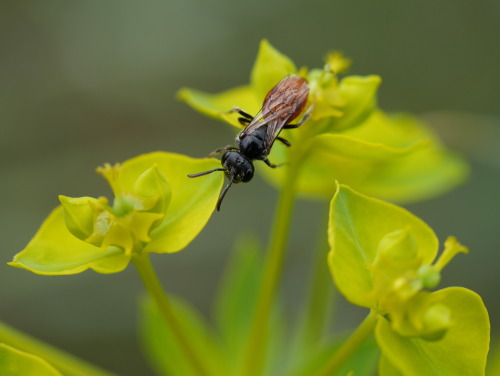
(222, 194)
(207, 172)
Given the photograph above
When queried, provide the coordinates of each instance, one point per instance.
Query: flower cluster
(348, 138)
(156, 208)
(382, 257)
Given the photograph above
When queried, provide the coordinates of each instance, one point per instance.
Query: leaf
(395, 158)
(163, 352)
(234, 310)
(269, 68)
(359, 94)
(333, 157)
(357, 225)
(361, 362)
(462, 351)
(217, 105)
(55, 251)
(236, 298)
(393, 130)
(193, 200)
(386, 368)
(421, 174)
(418, 176)
(493, 363)
(18, 363)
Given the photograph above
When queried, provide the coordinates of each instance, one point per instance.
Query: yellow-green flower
(348, 138)
(156, 208)
(383, 258)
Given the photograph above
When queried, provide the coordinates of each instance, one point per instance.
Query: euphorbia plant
(381, 257)
(384, 258)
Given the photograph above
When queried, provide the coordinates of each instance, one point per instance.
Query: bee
(284, 103)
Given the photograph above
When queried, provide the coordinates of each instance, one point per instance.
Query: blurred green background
(88, 82)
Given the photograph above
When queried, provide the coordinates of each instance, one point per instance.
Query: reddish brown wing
(282, 104)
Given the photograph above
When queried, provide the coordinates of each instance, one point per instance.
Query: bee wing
(285, 104)
(259, 120)
(282, 104)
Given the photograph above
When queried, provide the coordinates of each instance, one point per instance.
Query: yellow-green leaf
(462, 350)
(269, 68)
(357, 225)
(394, 130)
(493, 363)
(14, 362)
(396, 158)
(333, 157)
(218, 105)
(360, 96)
(386, 368)
(54, 250)
(193, 200)
(418, 176)
(424, 173)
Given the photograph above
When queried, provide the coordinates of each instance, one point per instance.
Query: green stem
(65, 363)
(272, 272)
(364, 330)
(153, 285)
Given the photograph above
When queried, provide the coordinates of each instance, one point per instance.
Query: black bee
(282, 105)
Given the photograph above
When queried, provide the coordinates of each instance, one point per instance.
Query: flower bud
(153, 186)
(78, 215)
(429, 276)
(398, 245)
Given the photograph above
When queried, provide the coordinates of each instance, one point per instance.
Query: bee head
(238, 168)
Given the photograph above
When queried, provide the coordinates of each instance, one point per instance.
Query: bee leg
(223, 150)
(245, 118)
(241, 112)
(304, 119)
(272, 165)
(244, 121)
(286, 142)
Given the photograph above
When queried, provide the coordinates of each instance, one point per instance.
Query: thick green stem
(364, 330)
(65, 363)
(153, 285)
(272, 272)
